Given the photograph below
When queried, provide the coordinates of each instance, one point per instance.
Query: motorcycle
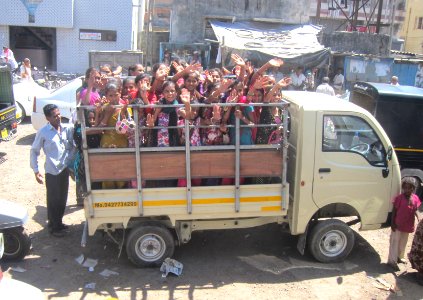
(17, 242)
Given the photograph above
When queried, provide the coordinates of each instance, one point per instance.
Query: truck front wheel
(331, 241)
(149, 245)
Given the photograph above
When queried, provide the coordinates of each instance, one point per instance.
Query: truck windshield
(352, 134)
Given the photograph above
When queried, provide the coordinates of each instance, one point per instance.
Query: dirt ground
(259, 263)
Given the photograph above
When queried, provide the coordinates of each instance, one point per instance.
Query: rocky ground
(259, 263)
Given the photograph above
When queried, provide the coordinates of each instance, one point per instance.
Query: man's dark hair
(48, 109)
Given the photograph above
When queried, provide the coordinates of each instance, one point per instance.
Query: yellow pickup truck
(334, 160)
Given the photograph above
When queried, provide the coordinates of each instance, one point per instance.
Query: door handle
(324, 170)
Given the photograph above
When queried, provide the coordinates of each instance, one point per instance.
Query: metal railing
(187, 148)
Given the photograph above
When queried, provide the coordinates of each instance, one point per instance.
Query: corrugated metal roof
(405, 53)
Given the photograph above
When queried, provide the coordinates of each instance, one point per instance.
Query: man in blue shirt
(56, 140)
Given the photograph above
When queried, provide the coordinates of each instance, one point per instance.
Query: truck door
(350, 167)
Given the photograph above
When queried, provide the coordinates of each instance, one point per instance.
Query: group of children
(164, 103)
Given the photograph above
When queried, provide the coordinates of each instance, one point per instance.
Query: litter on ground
(171, 266)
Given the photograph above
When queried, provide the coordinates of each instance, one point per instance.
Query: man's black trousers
(57, 195)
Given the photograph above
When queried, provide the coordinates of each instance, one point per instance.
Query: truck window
(402, 119)
(352, 134)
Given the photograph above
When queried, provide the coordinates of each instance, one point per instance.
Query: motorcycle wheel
(17, 243)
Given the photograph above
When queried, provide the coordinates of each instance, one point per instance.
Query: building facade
(60, 34)
(337, 15)
(412, 31)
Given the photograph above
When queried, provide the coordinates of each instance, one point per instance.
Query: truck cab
(399, 109)
(8, 123)
(340, 163)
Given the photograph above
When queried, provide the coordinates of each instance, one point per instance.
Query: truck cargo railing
(216, 161)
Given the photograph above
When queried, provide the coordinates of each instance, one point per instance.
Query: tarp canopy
(295, 44)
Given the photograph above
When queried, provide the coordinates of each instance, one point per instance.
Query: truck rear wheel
(17, 243)
(331, 241)
(149, 245)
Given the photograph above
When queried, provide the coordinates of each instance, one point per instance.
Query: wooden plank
(167, 165)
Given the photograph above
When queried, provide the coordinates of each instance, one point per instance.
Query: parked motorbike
(40, 78)
(17, 242)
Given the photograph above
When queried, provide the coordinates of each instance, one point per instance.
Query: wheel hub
(150, 247)
(333, 243)
(11, 244)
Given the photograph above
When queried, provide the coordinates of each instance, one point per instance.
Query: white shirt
(338, 81)
(9, 58)
(325, 88)
(26, 70)
(297, 80)
(58, 148)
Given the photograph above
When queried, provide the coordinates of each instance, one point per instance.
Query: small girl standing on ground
(403, 213)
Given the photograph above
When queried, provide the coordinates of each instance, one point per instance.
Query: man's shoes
(63, 226)
(57, 233)
(401, 261)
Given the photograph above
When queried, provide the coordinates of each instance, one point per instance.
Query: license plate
(4, 133)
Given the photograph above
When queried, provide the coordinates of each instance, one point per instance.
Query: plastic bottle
(355, 139)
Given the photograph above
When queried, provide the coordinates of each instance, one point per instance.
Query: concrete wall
(68, 17)
(72, 53)
(363, 43)
(47, 13)
(188, 17)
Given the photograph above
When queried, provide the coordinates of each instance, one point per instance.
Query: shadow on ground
(212, 259)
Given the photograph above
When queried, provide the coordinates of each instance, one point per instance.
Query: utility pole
(355, 16)
(391, 26)
(319, 6)
(379, 16)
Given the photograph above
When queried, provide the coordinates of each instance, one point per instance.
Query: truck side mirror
(389, 154)
(385, 172)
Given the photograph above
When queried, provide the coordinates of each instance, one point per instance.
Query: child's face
(113, 96)
(215, 76)
(161, 73)
(237, 70)
(259, 97)
(91, 118)
(144, 84)
(407, 189)
(191, 83)
(169, 93)
(128, 87)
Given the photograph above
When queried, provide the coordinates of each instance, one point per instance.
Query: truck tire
(331, 241)
(23, 113)
(149, 245)
(17, 243)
